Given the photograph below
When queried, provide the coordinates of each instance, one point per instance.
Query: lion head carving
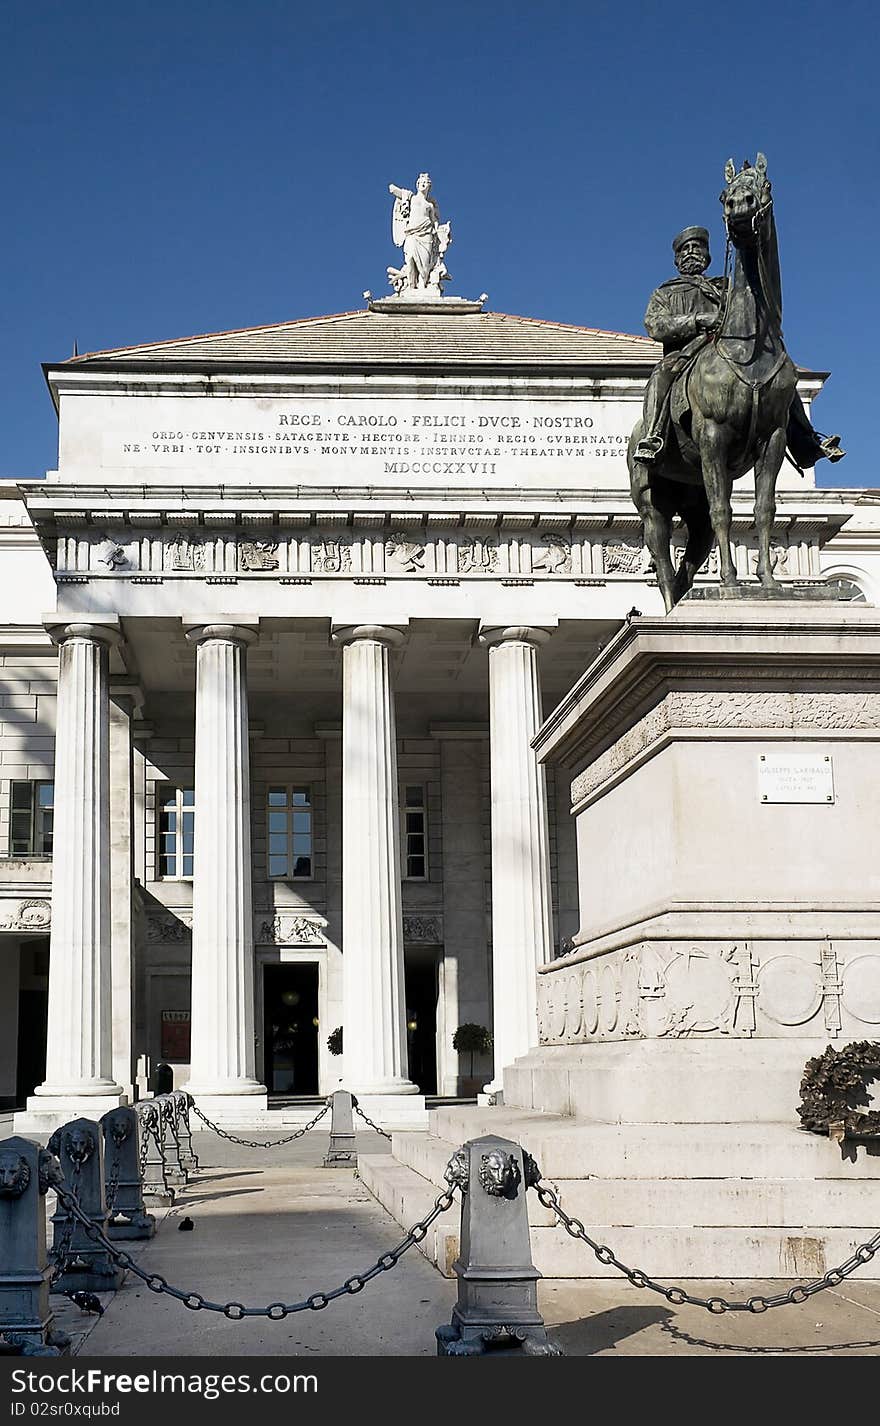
(457, 1171)
(499, 1174)
(50, 1170)
(15, 1174)
(118, 1124)
(79, 1144)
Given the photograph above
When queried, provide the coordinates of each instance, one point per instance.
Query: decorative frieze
(712, 709)
(425, 929)
(673, 990)
(168, 928)
(288, 928)
(29, 915)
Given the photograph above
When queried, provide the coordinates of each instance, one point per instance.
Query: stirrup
(648, 448)
(832, 448)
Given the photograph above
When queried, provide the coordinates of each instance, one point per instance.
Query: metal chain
(113, 1182)
(367, 1120)
(61, 1254)
(259, 1143)
(275, 1311)
(677, 1295)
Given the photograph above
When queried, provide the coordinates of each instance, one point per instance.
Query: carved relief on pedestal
(861, 988)
(789, 989)
(779, 559)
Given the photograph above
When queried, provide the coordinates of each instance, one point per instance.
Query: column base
(243, 1101)
(44, 1113)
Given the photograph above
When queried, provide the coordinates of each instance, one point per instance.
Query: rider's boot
(830, 446)
(648, 449)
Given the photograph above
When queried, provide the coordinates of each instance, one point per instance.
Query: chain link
(61, 1254)
(275, 1311)
(800, 1292)
(113, 1183)
(259, 1143)
(367, 1120)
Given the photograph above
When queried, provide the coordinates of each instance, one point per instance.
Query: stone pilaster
(222, 1067)
(79, 1050)
(374, 1027)
(122, 706)
(522, 926)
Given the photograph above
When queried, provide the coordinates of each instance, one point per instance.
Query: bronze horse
(729, 410)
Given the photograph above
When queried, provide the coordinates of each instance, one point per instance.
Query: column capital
(60, 631)
(227, 633)
(392, 635)
(493, 634)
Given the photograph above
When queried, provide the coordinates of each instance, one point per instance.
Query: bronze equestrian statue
(723, 397)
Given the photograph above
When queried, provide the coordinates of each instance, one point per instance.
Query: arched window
(847, 588)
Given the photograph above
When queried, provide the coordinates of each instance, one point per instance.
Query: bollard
(497, 1307)
(155, 1184)
(81, 1264)
(342, 1148)
(122, 1181)
(175, 1173)
(27, 1171)
(188, 1157)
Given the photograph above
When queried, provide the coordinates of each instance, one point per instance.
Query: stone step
(408, 1197)
(672, 1251)
(567, 1148)
(673, 1201)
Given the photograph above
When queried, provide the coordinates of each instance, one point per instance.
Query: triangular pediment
(392, 339)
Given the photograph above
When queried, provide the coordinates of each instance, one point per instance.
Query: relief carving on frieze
(477, 555)
(405, 552)
(31, 915)
(428, 929)
(185, 552)
(551, 554)
(287, 928)
(257, 554)
(167, 928)
(331, 555)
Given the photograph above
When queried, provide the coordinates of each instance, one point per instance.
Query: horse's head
(747, 202)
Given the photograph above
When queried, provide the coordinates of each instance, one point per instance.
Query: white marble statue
(416, 227)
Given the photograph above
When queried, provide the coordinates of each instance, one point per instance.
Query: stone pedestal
(79, 1051)
(223, 1065)
(522, 928)
(724, 784)
(25, 1315)
(374, 1019)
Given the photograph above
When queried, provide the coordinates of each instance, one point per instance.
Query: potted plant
(471, 1039)
(334, 1041)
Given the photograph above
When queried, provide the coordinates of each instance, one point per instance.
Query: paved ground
(275, 1226)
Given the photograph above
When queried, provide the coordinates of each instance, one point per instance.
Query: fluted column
(522, 926)
(374, 1024)
(222, 1065)
(79, 1051)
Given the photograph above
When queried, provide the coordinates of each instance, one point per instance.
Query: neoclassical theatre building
(276, 636)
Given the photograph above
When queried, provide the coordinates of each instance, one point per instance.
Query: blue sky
(191, 167)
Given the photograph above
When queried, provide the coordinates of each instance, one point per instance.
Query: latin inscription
(395, 438)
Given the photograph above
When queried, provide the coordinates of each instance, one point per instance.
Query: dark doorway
(290, 1029)
(421, 1021)
(33, 1015)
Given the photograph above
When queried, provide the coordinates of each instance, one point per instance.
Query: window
(415, 832)
(177, 812)
(847, 588)
(30, 819)
(289, 831)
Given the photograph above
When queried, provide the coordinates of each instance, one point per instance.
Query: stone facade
(474, 523)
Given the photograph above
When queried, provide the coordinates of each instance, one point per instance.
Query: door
(421, 1019)
(290, 1020)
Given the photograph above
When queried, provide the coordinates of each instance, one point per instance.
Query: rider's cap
(687, 235)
